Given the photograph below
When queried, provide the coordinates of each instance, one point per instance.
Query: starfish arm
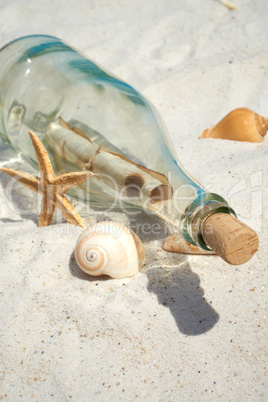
(69, 180)
(45, 167)
(47, 211)
(32, 182)
(68, 210)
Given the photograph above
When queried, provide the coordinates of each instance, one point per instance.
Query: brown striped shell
(108, 248)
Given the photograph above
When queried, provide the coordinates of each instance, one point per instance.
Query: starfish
(51, 187)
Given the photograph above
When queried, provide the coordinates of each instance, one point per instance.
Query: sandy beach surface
(186, 327)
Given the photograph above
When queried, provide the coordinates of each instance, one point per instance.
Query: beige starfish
(51, 187)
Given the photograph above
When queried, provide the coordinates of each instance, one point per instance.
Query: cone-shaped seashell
(239, 125)
(178, 244)
(108, 248)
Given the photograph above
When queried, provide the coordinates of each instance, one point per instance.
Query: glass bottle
(89, 119)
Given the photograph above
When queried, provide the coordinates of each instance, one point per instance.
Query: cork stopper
(230, 238)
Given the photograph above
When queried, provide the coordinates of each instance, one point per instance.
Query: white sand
(187, 328)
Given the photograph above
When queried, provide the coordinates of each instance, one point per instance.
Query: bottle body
(90, 120)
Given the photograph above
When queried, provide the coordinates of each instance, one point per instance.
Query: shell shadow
(179, 290)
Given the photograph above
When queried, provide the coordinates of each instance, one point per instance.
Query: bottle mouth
(191, 223)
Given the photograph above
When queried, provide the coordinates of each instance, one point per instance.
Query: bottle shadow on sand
(179, 290)
(171, 278)
(176, 288)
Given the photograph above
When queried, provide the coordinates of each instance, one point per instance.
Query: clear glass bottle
(89, 119)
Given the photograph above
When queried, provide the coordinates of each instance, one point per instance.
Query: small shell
(108, 248)
(176, 243)
(239, 125)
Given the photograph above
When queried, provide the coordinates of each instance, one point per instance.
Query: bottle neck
(191, 222)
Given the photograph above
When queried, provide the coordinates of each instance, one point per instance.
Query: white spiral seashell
(108, 248)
